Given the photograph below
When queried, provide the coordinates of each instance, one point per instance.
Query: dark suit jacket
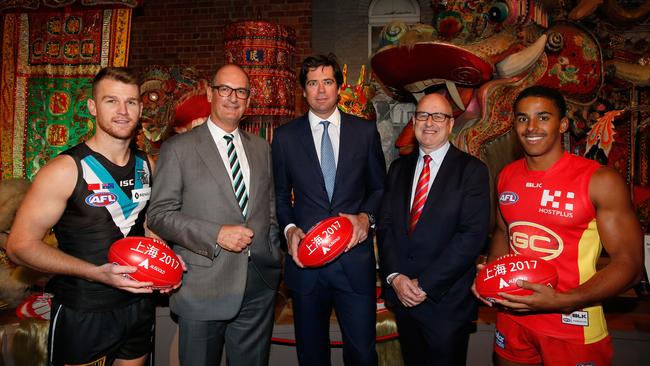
(442, 250)
(193, 199)
(358, 188)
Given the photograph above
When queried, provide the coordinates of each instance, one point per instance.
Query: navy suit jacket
(450, 234)
(358, 187)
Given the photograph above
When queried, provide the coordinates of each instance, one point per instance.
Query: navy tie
(327, 161)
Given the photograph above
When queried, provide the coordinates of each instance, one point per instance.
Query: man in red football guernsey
(564, 209)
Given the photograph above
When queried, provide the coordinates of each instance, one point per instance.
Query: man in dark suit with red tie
(333, 164)
(432, 227)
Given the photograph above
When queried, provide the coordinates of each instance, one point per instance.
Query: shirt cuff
(391, 277)
(286, 228)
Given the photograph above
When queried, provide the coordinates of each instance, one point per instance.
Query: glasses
(436, 116)
(225, 91)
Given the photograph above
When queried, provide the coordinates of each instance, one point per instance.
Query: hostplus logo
(557, 203)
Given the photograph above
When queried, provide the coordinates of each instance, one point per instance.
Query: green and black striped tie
(237, 177)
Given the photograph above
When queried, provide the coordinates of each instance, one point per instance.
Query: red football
(502, 274)
(325, 241)
(155, 261)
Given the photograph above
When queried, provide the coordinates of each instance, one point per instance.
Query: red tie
(420, 194)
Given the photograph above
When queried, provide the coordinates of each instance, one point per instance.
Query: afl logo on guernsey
(100, 199)
(508, 198)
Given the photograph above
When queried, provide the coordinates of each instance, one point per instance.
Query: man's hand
(543, 298)
(408, 291)
(234, 238)
(294, 236)
(115, 276)
(479, 267)
(360, 227)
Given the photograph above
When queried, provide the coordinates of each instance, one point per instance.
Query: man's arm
(41, 208)
(283, 201)
(274, 230)
(620, 234)
(499, 243)
(498, 247)
(375, 173)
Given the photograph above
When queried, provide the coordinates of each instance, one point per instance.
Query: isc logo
(508, 198)
(532, 239)
(100, 199)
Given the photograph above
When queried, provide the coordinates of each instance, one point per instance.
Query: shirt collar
(218, 133)
(437, 155)
(334, 118)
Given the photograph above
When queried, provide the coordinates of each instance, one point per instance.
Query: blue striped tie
(327, 161)
(237, 177)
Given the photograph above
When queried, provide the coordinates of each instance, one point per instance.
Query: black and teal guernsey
(108, 203)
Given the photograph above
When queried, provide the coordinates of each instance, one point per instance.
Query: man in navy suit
(333, 164)
(433, 225)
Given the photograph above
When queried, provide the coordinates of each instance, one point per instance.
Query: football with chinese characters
(325, 241)
(154, 260)
(502, 275)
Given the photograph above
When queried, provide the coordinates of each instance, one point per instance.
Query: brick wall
(190, 32)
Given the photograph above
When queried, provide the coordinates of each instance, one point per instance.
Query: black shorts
(98, 338)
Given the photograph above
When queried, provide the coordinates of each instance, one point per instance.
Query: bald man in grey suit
(215, 204)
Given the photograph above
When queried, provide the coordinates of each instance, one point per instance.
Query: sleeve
(386, 243)
(282, 180)
(164, 215)
(375, 174)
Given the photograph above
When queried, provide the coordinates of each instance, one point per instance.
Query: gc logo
(529, 237)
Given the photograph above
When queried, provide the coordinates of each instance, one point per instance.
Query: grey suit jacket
(191, 200)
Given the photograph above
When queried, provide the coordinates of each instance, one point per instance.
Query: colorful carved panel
(265, 52)
(49, 59)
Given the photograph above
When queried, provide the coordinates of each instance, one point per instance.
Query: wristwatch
(371, 219)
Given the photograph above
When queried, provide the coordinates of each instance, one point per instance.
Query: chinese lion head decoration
(174, 101)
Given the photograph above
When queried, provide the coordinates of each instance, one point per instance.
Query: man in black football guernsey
(92, 194)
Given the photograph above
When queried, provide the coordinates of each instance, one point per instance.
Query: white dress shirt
(334, 131)
(217, 135)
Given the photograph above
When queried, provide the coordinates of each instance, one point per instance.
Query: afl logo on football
(100, 199)
(508, 198)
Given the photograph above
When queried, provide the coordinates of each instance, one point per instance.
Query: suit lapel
(309, 149)
(209, 154)
(346, 150)
(407, 186)
(437, 187)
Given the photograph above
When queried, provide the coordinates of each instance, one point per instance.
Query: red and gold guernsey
(549, 215)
